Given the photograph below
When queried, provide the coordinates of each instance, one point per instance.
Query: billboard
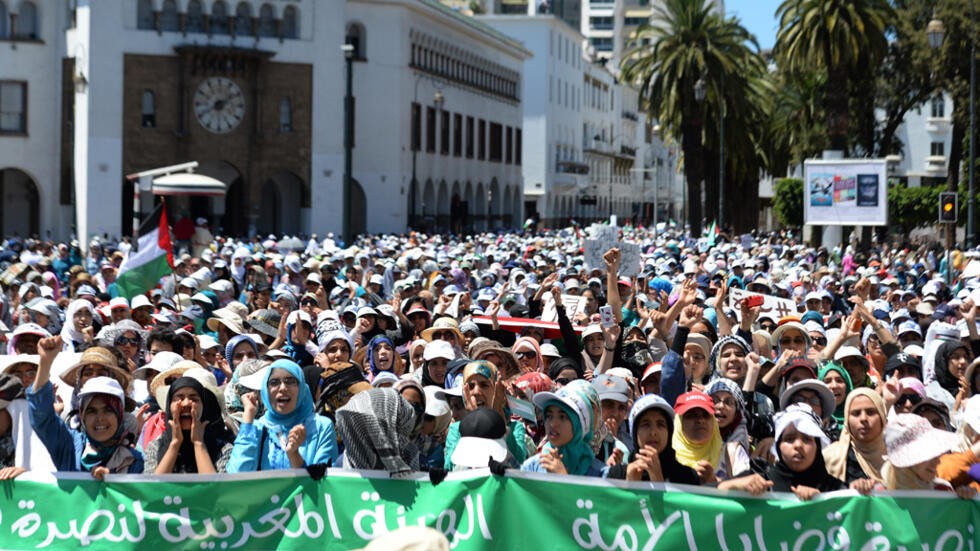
(845, 192)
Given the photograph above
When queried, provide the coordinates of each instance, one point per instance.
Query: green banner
(475, 511)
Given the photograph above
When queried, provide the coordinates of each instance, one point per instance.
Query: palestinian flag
(151, 258)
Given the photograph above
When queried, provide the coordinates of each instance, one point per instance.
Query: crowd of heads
(755, 365)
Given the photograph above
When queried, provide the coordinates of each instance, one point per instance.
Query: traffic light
(947, 207)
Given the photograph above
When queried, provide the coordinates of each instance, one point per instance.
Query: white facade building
(445, 93)
(926, 135)
(254, 91)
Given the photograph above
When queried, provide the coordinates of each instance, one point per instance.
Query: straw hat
(97, 355)
(443, 324)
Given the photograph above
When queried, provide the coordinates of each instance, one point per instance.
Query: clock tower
(244, 117)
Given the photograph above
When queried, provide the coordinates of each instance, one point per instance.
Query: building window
(496, 142)
(457, 135)
(469, 137)
(243, 19)
(290, 22)
(937, 149)
(13, 107)
(938, 107)
(219, 18)
(144, 15)
(285, 116)
(509, 146)
(195, 17)
(267, 21)
(430, 129)
(25, 26)
(444, 133)
(416, 126)
(517, 146)
(482, 140)
(169, 20)
(355, 38)
(148, 109)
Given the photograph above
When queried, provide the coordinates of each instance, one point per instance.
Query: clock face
(219, 105)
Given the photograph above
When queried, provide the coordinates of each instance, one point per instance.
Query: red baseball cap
(694, 399)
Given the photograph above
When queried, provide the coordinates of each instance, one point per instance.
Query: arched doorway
(495, 202)
(442, 209)
(230, 215)
(283, 195)
(19, 212)
(480, 207)
(270, 209)
(429, 206)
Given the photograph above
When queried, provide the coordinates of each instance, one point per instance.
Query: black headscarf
(672, 470)
(216, 434)
(943, 376)
(563, 363)
(816, 476)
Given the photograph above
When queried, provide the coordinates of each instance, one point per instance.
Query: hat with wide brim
(173, 372)
(443, 324)
(911, 440)
(262, 321)
(232, 322)
(97, 355)
(827, 401)
(8, 361)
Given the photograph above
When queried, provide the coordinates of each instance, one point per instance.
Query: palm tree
(840, 37)
(685, 42)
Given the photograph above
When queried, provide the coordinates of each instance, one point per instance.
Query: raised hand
(552, 462)
(296, 437)
(197, 424)
(690, 316)
(612, 259)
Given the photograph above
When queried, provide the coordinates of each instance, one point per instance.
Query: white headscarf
(70, 335)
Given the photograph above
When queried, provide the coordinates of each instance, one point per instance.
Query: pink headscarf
(527, 343)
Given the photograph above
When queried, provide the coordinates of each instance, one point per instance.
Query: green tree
(689, 41)
(788, 202)
(843, 38)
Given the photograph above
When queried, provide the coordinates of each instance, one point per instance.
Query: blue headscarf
(304, 402)
(235, 341)
(372, 346)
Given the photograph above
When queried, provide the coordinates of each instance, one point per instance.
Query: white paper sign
(604, 238)
(573, 305)
(778, 307)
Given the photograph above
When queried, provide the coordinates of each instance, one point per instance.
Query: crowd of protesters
(429, 353)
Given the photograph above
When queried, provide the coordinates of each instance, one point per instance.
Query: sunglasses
(530, 354)
(797, 340)
(308, 303)
(126, 341)
(913, 399)
(820, 341)
(443, 335)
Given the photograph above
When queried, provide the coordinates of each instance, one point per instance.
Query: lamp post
(348, 50)
(437, 100)
(935, 31)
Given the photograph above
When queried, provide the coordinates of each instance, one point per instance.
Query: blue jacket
(320, 446)
(65, 445)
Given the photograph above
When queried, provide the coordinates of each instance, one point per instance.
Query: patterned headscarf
(376, 428)
(717, 348)
(580, 402)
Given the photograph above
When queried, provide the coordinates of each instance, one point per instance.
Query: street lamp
(437, 100)
(348, 50)
(936, 31)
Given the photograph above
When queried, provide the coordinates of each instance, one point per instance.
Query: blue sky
(758, 16)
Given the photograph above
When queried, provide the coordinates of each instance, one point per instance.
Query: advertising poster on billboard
(845, 192)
